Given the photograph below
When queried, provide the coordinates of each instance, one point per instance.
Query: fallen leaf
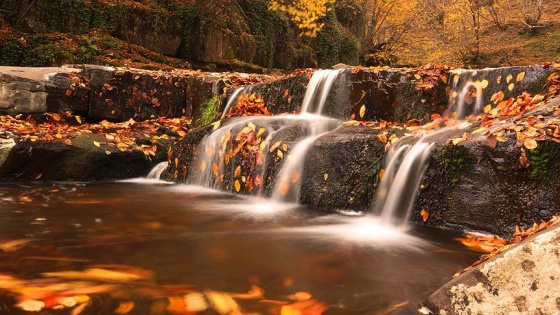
(326, 176)
(511, 86)
(424, 214)
(492, 141)
(520, 76)
(362, 111)
(280, 154)
(31, 305)
(274, 146)
(509, 78)
(530, 143)
(78, 119)
(97, 144)
(237, 171)
(295, 176)
(237, 185)
(487, 108)
(124, 307)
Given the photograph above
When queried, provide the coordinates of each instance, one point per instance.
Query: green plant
(208, 111)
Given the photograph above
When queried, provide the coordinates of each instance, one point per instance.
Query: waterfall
(155, 173)
(288, 184)
(404, 167)
(232, 100)
(466, 97)
(214, 157)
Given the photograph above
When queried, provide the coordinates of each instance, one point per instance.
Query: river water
(187, 239)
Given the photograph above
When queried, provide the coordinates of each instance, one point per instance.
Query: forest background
(264, 35)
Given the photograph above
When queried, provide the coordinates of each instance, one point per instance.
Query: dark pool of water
(185, 239)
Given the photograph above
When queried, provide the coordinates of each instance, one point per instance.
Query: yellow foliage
(304, 13)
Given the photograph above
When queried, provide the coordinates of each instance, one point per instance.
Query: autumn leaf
(509, 78)
(487, 108)
(280, 154)
(424, 214)
(520, 76)
(326, 176)
(237, 171)
(125, 307)
(530, 143)
(78, 119)
(97, 144)
(362, 111)
(274, 146)
(492, 141)
(237, 185)
(295, 176)
(203, 166)
(511, 86)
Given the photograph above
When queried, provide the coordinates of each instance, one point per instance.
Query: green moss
(209, 111)
(454, 162)
(538, 161)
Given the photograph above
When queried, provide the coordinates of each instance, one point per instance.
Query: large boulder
(521, 280)
(36, 90)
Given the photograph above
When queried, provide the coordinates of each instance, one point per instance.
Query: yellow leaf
(417, 76)
(260, 132)
(487, 108)
(285, 147)
(511, 86)
(484, 84)
(520, 76)
(362, 111)
(97, 144)
(203, 166)
(78, 119)
(31, 305)
(530, 143)
(280, 154)
(326, 176)
(237, 185)
(252, 126)
(217, 124)
(274, 146)
(509, 78)
(381, 173)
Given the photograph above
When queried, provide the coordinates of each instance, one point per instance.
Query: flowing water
(181, 240)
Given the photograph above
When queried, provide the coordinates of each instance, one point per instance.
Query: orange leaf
(424, 214)
(295, 176)
(237, 185)
(284, 188)
(237, 172)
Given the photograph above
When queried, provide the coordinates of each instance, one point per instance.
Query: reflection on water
(191, 240)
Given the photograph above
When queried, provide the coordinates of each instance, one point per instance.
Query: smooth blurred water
(188, 235)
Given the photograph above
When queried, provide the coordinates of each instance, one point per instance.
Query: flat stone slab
(521, 280)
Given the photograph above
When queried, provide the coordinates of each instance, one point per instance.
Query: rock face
(521, 280)
(32, 90)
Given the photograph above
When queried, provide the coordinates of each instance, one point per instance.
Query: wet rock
(81, 160)
(341, 170)
(521, 280)
(473, 186)
(35, 90)
(138, 95)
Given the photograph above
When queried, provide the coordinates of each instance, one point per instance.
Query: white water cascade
(311, 109)
(405, 164)
(232, 100)
(156, 172)
(214, 147)
(466, 97)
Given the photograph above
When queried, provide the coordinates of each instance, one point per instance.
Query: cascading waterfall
(232, 100)
(289, 179)
(405, 164)
(466, 97)
(155, 173)
(214, 155)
